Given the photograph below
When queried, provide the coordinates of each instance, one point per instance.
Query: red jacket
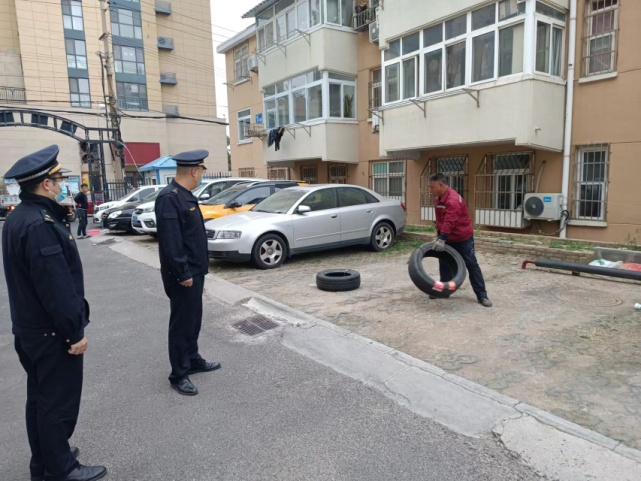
(453, 221)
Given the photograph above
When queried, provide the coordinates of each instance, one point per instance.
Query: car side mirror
(303, 209)
(204, 196)
(233, 205)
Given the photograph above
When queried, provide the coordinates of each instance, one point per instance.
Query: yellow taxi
(242, 197)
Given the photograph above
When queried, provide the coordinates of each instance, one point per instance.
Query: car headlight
(148, 209)
(228, 234)
(115, 214)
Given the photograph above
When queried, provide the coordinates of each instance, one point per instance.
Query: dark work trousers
(466, 249)
(185, 320)
(82, 222)
(54, 387)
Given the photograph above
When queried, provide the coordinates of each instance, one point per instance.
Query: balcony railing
(364, 18)
(166, 43)
(168, 78)
(11, 95)
(171, 110)
(133, 103)
(163, 8)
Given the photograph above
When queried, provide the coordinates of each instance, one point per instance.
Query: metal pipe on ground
(578, 268)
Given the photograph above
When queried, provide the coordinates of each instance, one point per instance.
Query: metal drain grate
(255, 325)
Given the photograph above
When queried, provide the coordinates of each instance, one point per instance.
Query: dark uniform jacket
(453, 221)
(182, 239)
(43, 271)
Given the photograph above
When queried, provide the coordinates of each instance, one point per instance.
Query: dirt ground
(569, 345)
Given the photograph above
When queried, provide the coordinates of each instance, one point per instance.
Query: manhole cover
(588, 298)
(255, 325)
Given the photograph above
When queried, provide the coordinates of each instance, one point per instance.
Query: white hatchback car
(306, 219)
(134, 196)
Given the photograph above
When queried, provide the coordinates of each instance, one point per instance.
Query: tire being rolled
(424, 282)
(336, 280)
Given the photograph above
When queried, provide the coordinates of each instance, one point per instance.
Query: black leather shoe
(204, 366)
(86, 473)
(184, 387)
(75, 452)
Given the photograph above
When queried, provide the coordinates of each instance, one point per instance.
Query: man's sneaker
(485, 302)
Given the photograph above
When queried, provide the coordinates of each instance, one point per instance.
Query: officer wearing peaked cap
(49, 314)
(184, 262)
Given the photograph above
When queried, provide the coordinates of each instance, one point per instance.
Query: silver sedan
(306, 219)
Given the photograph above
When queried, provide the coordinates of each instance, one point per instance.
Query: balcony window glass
(392, 90)
(131, 96)
(455, 72)
(511, 50)
(349, 101)
(76, 54)
(129, 60)
(303, 15)
(300, 105)
(315, 102)
(244, 122)
(411, 43)
(270, 114)
(316, 12)
(241, 69)
(335, 108)
(433, 71)
(283, 5)
(72, 14)
(483, 57)
(456, 27)
(79, 90)
(393, 51)
(544, 9)
(410, 80)
(126, 23)
(484, 17)
(433, 35)
(510, 8)
(282, 104)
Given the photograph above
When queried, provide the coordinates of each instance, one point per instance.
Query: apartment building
(384, 94)
(52, 82)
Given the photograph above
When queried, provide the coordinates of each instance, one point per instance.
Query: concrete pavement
(550, 445)
(268, 414)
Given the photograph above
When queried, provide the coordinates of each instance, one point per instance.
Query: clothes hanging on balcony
(274, 137)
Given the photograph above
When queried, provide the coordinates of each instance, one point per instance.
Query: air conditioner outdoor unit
(373, 31)
(252, 63)
(543, 206)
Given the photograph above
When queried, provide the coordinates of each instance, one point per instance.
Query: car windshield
(280, 202)
(225, 196)
(151, 197)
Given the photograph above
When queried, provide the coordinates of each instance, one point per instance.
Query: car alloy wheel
(269, 252)
(382, 236)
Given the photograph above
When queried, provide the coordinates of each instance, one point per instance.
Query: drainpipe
(569, 105)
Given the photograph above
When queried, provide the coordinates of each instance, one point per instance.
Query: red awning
(141, 153)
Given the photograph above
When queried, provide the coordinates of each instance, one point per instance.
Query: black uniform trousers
(466, 249)
(185, 320)
(54, 387)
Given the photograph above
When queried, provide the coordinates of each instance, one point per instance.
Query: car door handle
(334, 216)
(369, 211)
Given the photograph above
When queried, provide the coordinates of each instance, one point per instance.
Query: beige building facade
(385, 94)
(160, 55)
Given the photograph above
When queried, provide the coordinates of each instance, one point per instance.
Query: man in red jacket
(454, 228)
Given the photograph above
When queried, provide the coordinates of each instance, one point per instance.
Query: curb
(430, 391)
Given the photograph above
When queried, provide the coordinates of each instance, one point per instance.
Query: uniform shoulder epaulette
(175, 191)
(46, 216)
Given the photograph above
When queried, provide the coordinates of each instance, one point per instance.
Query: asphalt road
(268, 414)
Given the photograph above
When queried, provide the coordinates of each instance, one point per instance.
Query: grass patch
(570, 245)
(420, 228)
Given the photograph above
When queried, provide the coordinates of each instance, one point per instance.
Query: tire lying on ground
(335, 280)
(424, 282)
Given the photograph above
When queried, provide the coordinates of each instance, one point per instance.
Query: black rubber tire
(336, 280)
(382, 237)
(424, 282)
(259, 253)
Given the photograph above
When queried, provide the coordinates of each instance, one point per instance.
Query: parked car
(241, 198)
(211, 187)
(119, 218)
(134, 196)
(306, 219)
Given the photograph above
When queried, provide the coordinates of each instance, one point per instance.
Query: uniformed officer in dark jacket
(183, 264)
(49, 314)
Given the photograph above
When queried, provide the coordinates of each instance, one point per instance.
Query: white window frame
(387, 176)
(244, 118)
(324, 80)
(68, 18)
(579, 182)
(74, 56)
(241, 69)
(589, 36)
(467, 38)
(512, 174)
(553, 23)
